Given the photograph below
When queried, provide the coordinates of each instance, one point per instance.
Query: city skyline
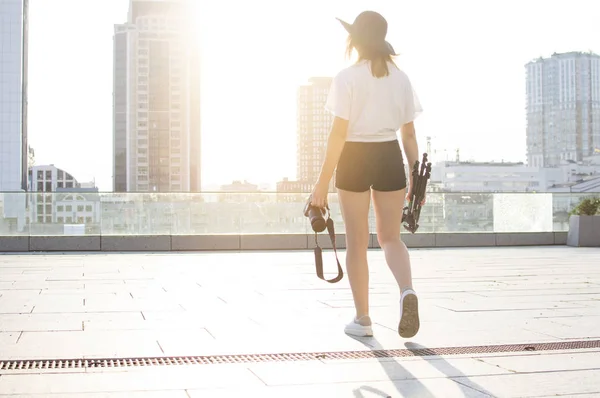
(473, 91)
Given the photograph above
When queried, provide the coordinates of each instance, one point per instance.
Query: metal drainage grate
(286, 357)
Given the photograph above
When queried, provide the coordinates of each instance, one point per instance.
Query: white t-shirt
(376, 108)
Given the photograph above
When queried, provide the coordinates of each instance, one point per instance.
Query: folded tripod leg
(413, 210)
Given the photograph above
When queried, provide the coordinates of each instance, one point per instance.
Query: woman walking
(371, 100)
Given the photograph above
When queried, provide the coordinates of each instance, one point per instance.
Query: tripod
(412, 212)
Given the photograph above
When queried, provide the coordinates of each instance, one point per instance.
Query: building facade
(156, 100)
(563, 108)
(56, 197)
(497, 177)
(13, 98)
(13, 113)
(314, 124)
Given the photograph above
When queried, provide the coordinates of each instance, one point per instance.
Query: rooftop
(494, 322)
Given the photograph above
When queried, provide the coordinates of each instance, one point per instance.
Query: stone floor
(74, 306)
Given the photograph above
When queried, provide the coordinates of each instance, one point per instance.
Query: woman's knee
(385, 239)
(357, 241)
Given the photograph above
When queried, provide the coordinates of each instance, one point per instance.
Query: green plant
(587, 207)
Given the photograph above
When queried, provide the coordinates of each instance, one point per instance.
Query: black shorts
(365, 165)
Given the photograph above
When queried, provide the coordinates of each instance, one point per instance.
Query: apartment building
(156, 101)
(563, 108)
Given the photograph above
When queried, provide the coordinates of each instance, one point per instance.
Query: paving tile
(185, 342)
(320, 373)
(59, 304)
(7, 338)
(547, 362)
(560, 383)
(39, 322)
(83, 344)
(429, 388)
(128, 394)
(135, 321)
(161, 379)
(11, 306)
(96, 304)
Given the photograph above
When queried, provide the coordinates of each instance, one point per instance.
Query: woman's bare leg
(355, 211)
(388, 212)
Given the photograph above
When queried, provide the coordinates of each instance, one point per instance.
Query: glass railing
(55, 214)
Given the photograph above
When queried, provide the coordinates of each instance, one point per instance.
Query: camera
(316, 216)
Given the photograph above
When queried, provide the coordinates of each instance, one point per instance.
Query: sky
(465, 58)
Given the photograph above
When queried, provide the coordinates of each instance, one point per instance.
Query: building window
(80, 208)
(69, 220)
(88, 208)
(60, 220)
(88, 220)
(48, 187)
(60, 208)
(69, 208)
(40, 219)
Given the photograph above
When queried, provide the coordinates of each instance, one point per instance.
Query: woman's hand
(319, 195)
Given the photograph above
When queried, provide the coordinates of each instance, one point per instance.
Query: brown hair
(379, 61)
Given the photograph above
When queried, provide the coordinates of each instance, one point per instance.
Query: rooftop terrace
(509, 322)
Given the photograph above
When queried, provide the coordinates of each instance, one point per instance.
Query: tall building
(13, 114)
(314, 124)
(13, 95)
(156, 99)
(563, 108)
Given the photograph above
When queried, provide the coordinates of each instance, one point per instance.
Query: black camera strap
(319, 255)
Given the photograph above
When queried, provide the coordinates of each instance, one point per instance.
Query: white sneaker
(360, 327)
(409, 314)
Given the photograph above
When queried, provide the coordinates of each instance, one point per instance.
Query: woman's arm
(411, 149)
(335, 145)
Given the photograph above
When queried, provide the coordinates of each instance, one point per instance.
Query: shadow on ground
(415, 388)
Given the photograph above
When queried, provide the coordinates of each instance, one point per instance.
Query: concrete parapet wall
(92, 243)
